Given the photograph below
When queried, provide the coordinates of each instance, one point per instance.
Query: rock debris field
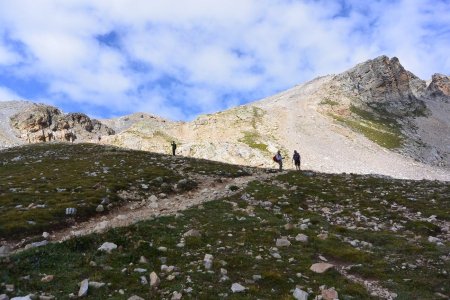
(96, 222)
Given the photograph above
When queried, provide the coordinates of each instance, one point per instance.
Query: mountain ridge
(376, 117)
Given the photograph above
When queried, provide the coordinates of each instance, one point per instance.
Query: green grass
(381, 131)
(253, 140)
(222, 236)
(240, 232)
(38, 182)
(328, 101)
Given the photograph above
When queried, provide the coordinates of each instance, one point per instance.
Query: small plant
(328, 101)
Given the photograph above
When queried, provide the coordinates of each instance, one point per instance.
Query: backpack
(296, 156)
(275, 159)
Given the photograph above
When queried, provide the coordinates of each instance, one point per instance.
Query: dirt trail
(134, 211)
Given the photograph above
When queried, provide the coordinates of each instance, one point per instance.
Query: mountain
(374, 118)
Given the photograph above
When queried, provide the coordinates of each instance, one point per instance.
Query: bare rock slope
(375, 118)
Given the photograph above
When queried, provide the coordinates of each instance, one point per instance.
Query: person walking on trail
(296, 158)
(174, 147)
(279, 159)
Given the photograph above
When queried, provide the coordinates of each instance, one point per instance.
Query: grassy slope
(239, 229)
(38, 182)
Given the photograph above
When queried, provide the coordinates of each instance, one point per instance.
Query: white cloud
(8, 95)
(200, 56)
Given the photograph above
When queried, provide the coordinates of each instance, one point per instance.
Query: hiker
(279, 159)
(296, 158)
(174, 147)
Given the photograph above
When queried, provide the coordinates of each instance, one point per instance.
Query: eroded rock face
(384, 86)
(439, 87)
(43, 123)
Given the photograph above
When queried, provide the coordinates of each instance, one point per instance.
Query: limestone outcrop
(44, 123)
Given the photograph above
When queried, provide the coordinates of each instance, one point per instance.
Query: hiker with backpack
(296, 158)
(279, 159)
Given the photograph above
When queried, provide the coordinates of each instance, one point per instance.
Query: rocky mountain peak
(382, 85)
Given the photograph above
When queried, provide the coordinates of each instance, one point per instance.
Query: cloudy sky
(181, 58)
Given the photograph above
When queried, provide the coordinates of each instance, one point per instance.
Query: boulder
(329, 294)
(283, 242)
(84, 286)
(301, 238)
(134, 297)
(107, 247)
(300, 294)
(154, 280)
(237, 288)
(192, 233)
(321, 267)
(208, 261)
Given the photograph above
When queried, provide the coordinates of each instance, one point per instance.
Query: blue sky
(179, 59)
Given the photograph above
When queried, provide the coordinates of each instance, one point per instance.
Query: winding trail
(209, 188)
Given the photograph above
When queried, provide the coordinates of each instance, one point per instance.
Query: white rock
(176, 296)
(208, 261)
(96, 285)
(256, 277)
(36, 244)
(154, 280)
(47, 278)
(329, 294)
(193, 233)
(144, 280)
(140, 270)
(322, 258)
(301, 238)
(45, 234)
(84, 286)
(107, 247)
(100, 208)
(321, 267)
(134, 297)
(433, 239)
(22, 298)
(237, 288)
(153, 198)
(4, 297)
(276, 255)
(300, 294)
(162, 249)
(283, 242)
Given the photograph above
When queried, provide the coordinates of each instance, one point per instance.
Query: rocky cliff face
(43, 123)
(383, 86)
(439, 87)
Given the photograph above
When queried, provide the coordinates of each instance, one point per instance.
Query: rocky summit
(376, 118)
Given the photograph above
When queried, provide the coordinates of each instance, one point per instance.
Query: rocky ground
(177, 228)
